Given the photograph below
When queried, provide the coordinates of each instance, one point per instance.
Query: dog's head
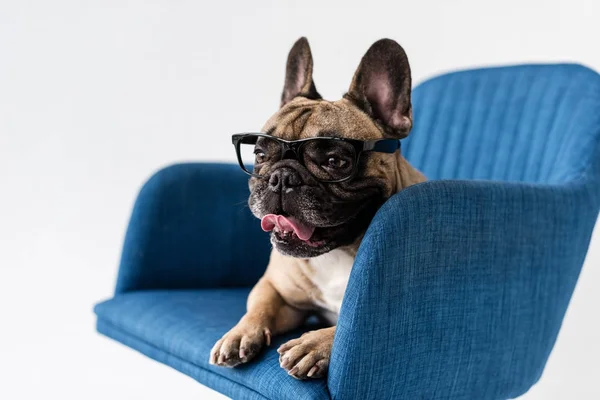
(307, 216)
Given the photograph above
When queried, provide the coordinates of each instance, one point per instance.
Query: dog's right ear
(298, 74)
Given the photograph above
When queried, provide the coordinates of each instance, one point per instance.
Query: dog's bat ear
(381, 87)
(298, 74)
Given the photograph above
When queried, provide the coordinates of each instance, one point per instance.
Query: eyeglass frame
(388, 146)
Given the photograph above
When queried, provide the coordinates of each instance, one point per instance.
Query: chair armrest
(191, 228)
(459, 289)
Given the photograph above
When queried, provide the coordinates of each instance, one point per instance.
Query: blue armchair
(461, 283)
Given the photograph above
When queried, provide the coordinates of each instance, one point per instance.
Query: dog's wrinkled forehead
(304, 118)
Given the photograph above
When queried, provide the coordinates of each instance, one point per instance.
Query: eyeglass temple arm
(382, 146)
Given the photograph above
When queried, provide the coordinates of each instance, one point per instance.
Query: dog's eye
(259, 156)
(335, 162)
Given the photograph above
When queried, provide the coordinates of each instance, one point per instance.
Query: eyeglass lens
(326, 159)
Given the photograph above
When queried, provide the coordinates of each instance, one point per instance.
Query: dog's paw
(307, 356)
(240, 345)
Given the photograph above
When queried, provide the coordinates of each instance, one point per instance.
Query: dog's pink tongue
(270, 221)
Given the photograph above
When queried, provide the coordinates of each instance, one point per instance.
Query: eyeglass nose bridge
(290, 151)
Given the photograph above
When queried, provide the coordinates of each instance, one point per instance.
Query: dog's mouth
(289, 230)
(296, 237)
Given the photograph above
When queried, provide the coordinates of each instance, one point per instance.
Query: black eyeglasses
(329, 159)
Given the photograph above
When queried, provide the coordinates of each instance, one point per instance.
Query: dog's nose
(283, 179)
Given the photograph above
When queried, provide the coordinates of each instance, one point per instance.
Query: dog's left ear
(298, 73)
(381, 87)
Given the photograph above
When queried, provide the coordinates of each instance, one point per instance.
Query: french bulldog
(316, 220)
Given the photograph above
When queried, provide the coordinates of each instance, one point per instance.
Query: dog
(317, 224)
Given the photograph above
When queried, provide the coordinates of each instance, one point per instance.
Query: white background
(94, 96)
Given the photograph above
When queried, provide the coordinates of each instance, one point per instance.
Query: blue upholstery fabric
(466, 297)
(180, 327)
(459, 287)
(184, 215)
(529, 123)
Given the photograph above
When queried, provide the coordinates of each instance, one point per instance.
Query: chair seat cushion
(179, 328)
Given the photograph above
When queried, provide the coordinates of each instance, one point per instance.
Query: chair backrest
(527, 123)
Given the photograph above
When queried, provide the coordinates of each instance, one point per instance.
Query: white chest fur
(329, 273)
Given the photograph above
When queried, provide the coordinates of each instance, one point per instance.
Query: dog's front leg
(307, 356)
(267, 314)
